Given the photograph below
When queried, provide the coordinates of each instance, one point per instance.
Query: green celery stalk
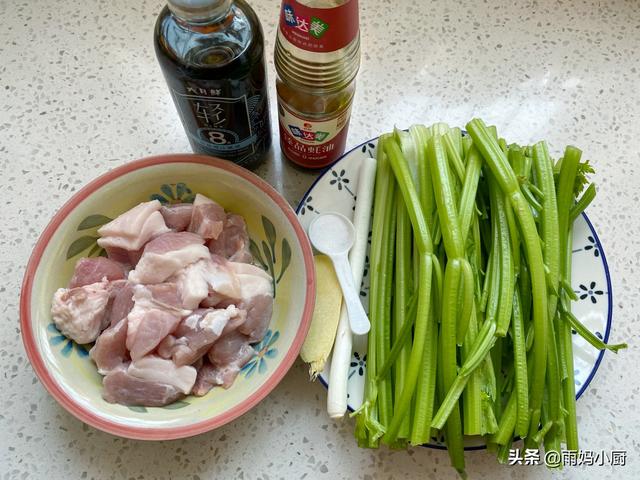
(403, 285)
(385, 390)
(506, 179)
(550, 234)
(368, 429)
(520, 364)
(423, 325)
(471, 399)
(453, 428)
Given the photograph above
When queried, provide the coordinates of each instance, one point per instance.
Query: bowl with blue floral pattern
(278, 244)
(335, 191)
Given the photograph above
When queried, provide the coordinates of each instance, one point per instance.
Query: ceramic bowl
(279, 245)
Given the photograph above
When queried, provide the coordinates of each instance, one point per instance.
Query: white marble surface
(80, 92)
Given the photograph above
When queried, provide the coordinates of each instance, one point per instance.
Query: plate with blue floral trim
(335, 191)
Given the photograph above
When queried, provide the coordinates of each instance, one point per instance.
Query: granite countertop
(81, 92)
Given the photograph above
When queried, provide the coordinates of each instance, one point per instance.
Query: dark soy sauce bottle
(211, 53)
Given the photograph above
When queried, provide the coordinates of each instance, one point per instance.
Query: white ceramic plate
(335, 191)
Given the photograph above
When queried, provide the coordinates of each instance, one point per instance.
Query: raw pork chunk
(79, 313)
(93, 270)
(196, 333)
(256, 298)
(178, 216)
(131, 230)
(166, 255)
(152, 318)
(207, 218)
(110, 350)
(225, 359)
(233, 241)
(208, 277)
(121, 301)
(150, 381)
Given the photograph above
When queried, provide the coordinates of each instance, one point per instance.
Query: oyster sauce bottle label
(319, 29)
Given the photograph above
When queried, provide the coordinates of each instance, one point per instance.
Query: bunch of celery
(470, 296)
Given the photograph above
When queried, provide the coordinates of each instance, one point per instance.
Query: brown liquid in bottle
(216, 74)
(316, 58)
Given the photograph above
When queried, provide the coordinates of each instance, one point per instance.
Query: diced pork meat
(122, 301)
(125, 389)
(143, 305)
(233, 241)
(248, 287)
(166, 255)
(259, 309)
(150, 381)
(198, 363)
(128, 258)
(196, 333)
(207, 218)
(131, 230)
(222, 279)
(165, 347)
(215, 299)
(234, 322)
(177, 217)
(147, 329)
(232, 348)
(209, 280)
(247, 269)
(93, 270)
(192, 283)
(79, 312)
(150, 321)
(208, 377)
(156, 369)
(256, 298)
(167, 296)
(110, 350)
(225, 359)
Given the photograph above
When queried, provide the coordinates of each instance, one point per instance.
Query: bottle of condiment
(317, 56)
(212, 56)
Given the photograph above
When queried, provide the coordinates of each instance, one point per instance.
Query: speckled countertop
(80, 92)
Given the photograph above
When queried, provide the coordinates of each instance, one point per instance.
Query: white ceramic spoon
(333, 234)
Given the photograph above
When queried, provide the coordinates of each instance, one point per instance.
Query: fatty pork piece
(167, 254)
(133, 229)
(150, 381)
(207, 218)
(256, 298)
(178, 216)
(93, 270)
(155, 314)
(196, 333)
(233, 241)
(226, 357)
(79, 312)
(110, 350)
(208, 277)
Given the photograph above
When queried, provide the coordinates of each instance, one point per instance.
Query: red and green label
(319, 29)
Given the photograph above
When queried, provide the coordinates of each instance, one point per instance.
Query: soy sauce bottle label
(224, 126)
